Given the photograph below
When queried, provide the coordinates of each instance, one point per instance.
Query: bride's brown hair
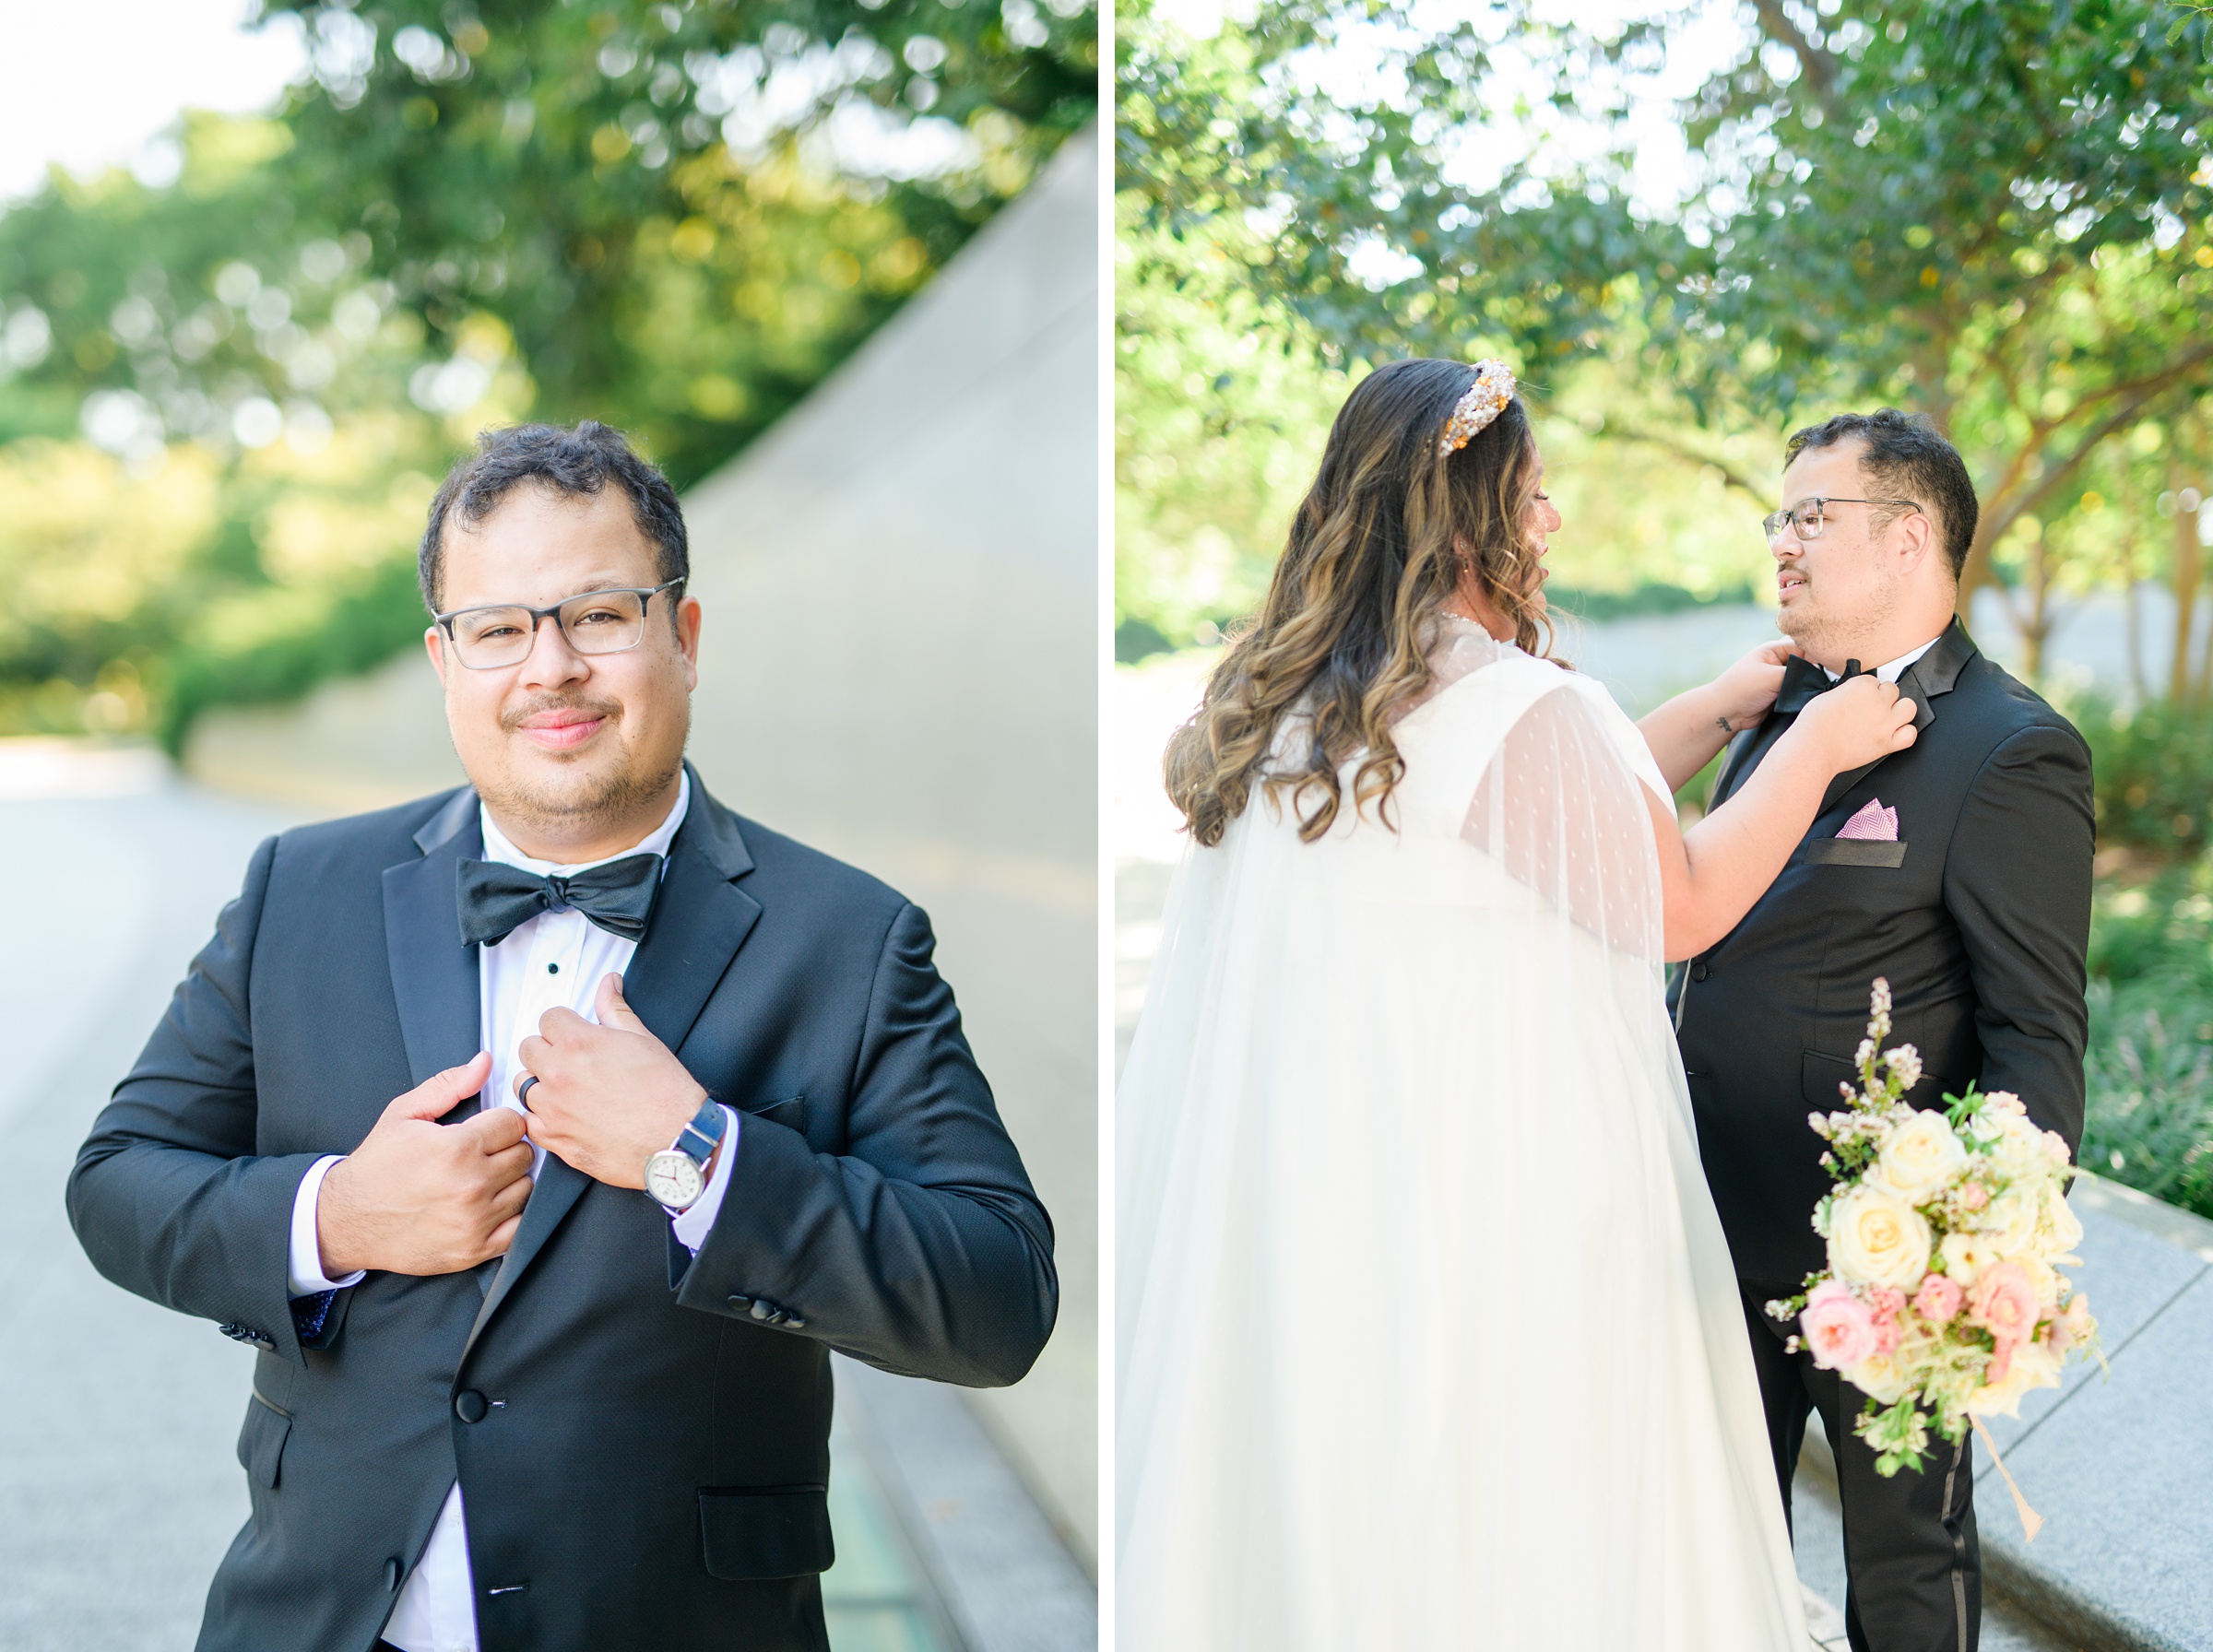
(1375, 550)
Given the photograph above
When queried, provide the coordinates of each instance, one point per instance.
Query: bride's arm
(1686, 732)
(1711, 875)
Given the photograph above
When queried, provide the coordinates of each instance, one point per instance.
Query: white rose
(2034, 1366)
(1878, 1377)
(1875, 1238)
(1919, 1159)
(2063, 1226)
(2010, 1221)
(2020, 1150)
(1967, 1255)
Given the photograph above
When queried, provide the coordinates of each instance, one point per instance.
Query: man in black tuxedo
(1958, 869)
(543, 1344)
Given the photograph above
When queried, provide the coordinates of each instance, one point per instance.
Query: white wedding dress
(1428, 1336)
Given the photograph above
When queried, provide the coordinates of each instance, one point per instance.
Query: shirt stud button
(552, 969)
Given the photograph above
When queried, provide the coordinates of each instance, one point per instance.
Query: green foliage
(2001, 214)
(223, 403)
(2149, 1065)
(2153, 766)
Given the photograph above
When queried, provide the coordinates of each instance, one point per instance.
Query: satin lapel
(558, 1190)
(700, 919)
(1726, 778)
(433, 973)
(1927, 677)
(1745, 754)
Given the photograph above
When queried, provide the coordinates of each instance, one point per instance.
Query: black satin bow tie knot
(496, 899)
(1802, 679)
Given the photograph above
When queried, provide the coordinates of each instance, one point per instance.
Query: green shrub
(2154, 772)
(2150, 1064)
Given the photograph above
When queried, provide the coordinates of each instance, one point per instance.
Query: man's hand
(420, 1198)
(608, 1097)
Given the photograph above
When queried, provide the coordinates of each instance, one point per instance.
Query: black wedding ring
(522, 1088)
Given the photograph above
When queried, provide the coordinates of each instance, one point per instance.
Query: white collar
(1890, 670)
(497, 847)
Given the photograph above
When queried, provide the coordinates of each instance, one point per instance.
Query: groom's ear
(1918, 541)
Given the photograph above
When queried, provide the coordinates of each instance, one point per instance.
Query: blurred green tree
(675, 217)
(1996, 213)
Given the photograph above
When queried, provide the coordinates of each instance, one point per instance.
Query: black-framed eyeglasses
(503, 634)
(1809, 515)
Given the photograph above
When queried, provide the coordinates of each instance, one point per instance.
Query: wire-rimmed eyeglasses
(503, 634)
(1808, 515)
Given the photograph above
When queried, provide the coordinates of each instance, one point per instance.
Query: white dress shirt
(1890, 670)
(556, 958)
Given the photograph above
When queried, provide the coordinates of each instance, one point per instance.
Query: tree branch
(1683, 450)
(1818, 64)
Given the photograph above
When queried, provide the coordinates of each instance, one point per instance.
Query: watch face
(674, 1178)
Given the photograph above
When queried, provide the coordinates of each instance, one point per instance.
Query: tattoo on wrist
(1723, 725)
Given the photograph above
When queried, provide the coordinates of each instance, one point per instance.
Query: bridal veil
(1428, 1336)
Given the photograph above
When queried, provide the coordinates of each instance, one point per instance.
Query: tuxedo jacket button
(796, 1323)
(741, 1301)
(762, 1310)
(392, 1571)
(469, 1405)
(1698, 972)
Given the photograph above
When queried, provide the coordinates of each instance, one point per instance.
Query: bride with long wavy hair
(1428, 1336)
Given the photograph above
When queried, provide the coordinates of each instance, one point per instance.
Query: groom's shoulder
(1999, 708)
(372, 840)
(784, 870)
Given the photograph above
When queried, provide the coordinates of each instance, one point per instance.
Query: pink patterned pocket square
(1874, 823)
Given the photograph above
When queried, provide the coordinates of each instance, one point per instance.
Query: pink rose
(1973, 1195)
(1886, 1305)
(2004, 1304)
(1838, 1327)
(1939, 1299)
(2070, 1328)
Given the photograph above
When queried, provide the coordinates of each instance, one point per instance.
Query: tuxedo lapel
(700, 919)
(1927, 677)
(434, 971)
(1930, 675)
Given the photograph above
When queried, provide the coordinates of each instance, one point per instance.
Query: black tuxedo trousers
(1979, 917)
(642, 1437)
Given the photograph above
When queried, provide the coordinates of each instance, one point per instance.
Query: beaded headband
(1485, 399)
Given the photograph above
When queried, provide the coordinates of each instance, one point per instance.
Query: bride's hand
(1743, 693)
(1857, 723)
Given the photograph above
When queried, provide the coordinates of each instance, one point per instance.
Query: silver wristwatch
(676, 1175)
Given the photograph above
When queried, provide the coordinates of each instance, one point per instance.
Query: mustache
(514, 716)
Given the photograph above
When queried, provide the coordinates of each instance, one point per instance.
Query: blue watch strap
(699, 1138)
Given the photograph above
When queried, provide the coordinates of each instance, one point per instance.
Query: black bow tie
(496, 899)
(1802, 679)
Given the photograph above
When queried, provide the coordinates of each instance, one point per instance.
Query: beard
(577, 795)
(1818, 626)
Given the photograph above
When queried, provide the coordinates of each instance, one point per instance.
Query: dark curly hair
(1906, 454)
(575, 462)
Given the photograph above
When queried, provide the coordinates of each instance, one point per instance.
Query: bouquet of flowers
(1943, 1300)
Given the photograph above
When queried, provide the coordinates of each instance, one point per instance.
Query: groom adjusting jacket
(544, 1138)
(1959, 870)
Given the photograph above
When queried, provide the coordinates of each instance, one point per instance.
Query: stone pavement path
(119, 1490)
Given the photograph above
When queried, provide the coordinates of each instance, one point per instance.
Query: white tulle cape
(1428, 1336)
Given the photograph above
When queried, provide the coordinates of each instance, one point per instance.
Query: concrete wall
(899, 666)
